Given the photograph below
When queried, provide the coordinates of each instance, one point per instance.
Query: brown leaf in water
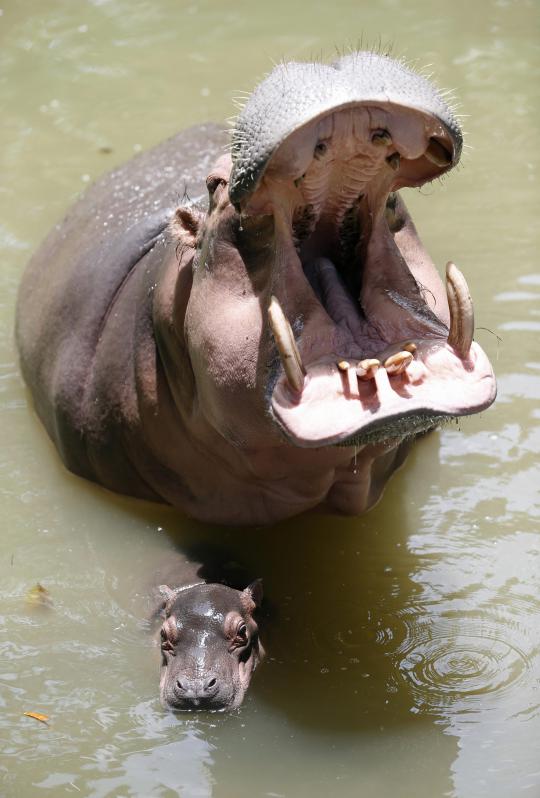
(37, 716)
(39, 596)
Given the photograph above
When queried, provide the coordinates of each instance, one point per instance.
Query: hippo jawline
(380, 349)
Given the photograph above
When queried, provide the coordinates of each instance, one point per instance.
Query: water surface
(404, 646)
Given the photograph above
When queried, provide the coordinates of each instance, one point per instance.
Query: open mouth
(372, 345)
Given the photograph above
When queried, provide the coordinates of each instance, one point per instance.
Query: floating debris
(39, 597)
(38, 716)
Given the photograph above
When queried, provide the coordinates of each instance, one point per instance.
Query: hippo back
(73, 283)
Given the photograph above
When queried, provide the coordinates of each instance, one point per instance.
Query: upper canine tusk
(461, 311)
(286, 345)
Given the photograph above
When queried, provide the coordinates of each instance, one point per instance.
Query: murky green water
(404, 647)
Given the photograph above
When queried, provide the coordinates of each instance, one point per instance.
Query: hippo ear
(254, 591)
(186, 223)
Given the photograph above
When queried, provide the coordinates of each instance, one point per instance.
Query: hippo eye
(241, 632)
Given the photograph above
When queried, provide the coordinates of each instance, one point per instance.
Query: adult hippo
(278, 346)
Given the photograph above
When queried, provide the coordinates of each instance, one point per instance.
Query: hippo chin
(276, 346)
(209, 645)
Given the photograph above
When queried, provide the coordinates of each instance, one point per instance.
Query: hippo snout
(190, 689)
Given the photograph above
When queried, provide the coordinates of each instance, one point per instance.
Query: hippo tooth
(365, 370)
(286, 345)
(438, 154)
(461, 311)
(343, 365)
(397, 363)
(394, 161)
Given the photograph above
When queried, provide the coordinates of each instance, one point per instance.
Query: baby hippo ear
(254, 592)
(166, 594)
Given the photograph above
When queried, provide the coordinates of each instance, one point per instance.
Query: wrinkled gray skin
(209, 645)
(143, 321)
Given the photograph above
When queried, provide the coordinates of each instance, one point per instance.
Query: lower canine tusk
(286, 345)
(461, 311)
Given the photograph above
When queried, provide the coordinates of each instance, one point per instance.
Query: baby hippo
(209, 644)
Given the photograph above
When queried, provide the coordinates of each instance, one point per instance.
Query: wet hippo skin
(250, 334)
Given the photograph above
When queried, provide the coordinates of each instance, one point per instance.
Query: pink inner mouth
(336, 406)
(353, 280)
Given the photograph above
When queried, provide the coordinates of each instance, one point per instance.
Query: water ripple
(451, 663)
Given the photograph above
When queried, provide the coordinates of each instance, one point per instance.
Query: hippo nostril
(180, 685)
(211, 685)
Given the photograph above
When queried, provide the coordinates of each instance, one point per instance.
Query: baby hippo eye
(241, 632)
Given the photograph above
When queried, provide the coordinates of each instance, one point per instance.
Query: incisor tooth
(286, 345)
(461, 311)
(365, 370)
(343, 365)
(410, 347)
(397, 363)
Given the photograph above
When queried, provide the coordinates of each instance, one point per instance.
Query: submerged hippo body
(273, 340)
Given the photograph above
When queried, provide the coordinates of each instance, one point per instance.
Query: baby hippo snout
(196, 689)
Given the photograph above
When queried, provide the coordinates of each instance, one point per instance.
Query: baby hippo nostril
(205, 687)
(211, 686)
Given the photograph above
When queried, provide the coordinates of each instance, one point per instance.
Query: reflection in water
(471, 653)
(182, 766)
